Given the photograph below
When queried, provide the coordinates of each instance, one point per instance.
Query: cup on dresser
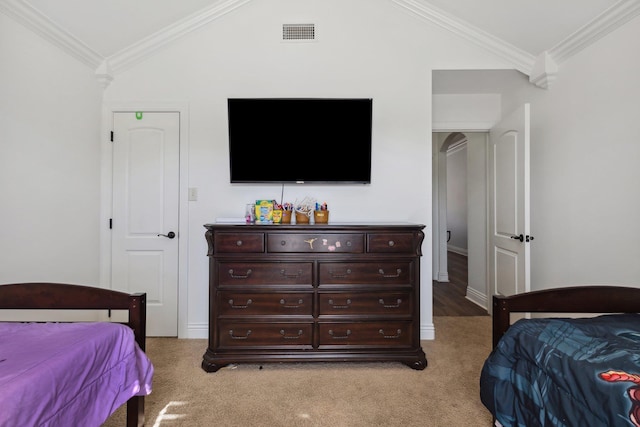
(321, 217)
(302, 217)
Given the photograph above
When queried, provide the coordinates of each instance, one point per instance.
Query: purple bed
(72, 374)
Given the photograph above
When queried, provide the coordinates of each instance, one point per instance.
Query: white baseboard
(427, 332)
(477, 298)
(196, 331)
(457, 250)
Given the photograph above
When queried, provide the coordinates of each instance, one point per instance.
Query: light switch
(193, 194)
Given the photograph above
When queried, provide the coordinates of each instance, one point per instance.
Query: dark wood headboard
(576, 299)
(60, 296)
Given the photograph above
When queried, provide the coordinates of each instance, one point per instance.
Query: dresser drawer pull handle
(239, 276)
(284, 304)
(391, 337)
(236, 337)
(391, 243)
(291, 337)
(398, 272)
(342, 337)
(348, 302)
(240, 306)
(295, 275)
(337, 275)
(396, 305)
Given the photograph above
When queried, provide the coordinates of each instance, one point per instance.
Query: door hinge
(111, 136)
(110, 223)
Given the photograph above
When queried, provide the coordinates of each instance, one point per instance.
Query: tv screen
(300, 140)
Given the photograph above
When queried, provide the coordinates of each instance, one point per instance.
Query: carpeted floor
(446, 393)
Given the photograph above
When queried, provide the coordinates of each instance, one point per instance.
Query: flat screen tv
(300, 140)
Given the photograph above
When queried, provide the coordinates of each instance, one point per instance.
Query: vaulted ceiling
(535, 36)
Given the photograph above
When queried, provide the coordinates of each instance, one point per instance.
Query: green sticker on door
(139, 115)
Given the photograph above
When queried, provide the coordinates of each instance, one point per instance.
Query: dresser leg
(418, 364)
(211, 367)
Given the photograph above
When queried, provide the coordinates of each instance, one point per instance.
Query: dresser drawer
(238, 242)
(256, 304)
(264, 334)
(264, 273)
(395, 334)
(370, 303)
(391, 243)
(365, 273)
(315, 243)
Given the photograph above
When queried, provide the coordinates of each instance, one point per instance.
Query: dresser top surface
(339, 226)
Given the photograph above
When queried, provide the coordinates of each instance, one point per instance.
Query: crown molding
(607, 22)
(138, 51)
(47, 29)
(518, 58)
(104, 74)
(544, 71)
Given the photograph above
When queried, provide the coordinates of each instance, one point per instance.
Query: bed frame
(77, 297)
(577, 299)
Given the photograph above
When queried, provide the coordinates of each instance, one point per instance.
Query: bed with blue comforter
(566, 371)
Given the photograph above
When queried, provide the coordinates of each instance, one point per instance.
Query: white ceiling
(109, 26)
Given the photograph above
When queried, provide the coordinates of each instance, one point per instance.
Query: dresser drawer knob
(284, 304)
(333, 304)
(397, 274)
(294, 275)
(340, 275)
(396, 305)
(240, 306)
(239, 337)
(239, 243)
(340, 337)
(283, 242)
(291, 337)
(391, 337)
(239, 276)
(391, 243)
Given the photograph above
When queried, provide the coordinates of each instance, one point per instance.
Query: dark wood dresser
(331, 293)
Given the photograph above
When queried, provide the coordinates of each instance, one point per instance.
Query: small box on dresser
(331, 293)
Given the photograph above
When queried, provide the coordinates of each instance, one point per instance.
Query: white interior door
(509, 234)
(145, 213)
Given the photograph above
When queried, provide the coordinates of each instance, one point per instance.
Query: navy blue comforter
(566, 372)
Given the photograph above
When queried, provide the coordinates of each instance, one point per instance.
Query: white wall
(364, 48)
(585, 206)
(457, 198)
(49, 162)
(584, 148)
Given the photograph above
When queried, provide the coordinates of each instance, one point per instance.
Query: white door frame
(106, 190)
(439, 226)
(439, 242)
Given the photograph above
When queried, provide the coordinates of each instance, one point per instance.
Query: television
(300, 140)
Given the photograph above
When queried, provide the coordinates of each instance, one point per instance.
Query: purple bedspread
(68, 374)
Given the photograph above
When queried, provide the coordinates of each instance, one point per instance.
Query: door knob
(170, 235)
(522, 238)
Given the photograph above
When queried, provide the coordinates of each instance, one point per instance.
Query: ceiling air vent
(298, 32)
